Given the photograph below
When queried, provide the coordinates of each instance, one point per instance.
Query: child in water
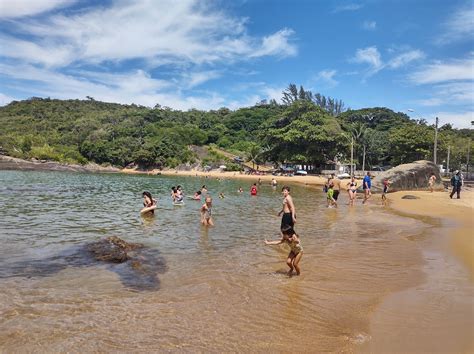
(253, 190)
(148, 202)
(206, 212)
(330, 197)
(296, 250)
(197, 195)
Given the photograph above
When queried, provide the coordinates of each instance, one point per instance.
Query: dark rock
(112, 249)
(409, 196)
(410, 176)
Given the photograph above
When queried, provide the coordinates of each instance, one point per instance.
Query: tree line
(305, 128)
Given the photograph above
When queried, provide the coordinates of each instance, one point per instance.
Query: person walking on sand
(288, 211)
(336, 186)
(456, 183)
(386, 184)
(432, 182)
(206, 212)
(296, 249)
(352, 190)
(367, 184)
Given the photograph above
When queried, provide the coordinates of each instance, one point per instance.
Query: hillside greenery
(307, 128)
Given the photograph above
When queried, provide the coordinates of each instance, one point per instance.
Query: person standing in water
(432, 182)
(330, 197)
(149, 204)
(352, 190)
(336, 186)
(253, 189)
(296, 249)
(288, 210)
(367, 184)
(206, 212)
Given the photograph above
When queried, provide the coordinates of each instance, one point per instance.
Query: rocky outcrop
(113, 249)
(12, 163)
(410, 176)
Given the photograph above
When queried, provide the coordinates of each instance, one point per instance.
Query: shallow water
(222, 289)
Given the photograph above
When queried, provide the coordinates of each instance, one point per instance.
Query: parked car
(301, 173)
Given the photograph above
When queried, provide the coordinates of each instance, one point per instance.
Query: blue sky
(411, 56)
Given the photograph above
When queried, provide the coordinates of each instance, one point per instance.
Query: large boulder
(113, 249)
(409, 176)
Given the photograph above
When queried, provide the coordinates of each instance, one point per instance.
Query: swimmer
(149, 204)
(253, 189)
(179, 196)
(206, 212)
(240, 190)
(288, 210)
(197, 195)
(352, 190)
(203, 189)
(330, 197)
(296, 250)
(221, 195)
(274, 182)
(173, 193)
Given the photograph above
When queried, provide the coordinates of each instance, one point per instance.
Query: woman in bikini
(352, 190)
(206, 212)
(296, 250)
(288, 210)
(149, 204)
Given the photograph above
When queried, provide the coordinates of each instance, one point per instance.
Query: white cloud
(164, 32)
(327, 77)
(348, 7)
(405, 58)
(453, 70)
(434, 101)
(369, 25)
(456, 119)
(5, 99)
(20, 8)
(459, 26)
(370, 56)
(194, 79)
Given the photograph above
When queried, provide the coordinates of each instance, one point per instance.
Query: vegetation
(306, 128)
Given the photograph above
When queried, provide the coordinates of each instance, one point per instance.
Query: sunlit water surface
(222, 289)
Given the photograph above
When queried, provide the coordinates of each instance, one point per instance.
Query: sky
(412, 56)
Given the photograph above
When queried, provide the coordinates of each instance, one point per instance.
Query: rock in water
(409, 196)
(112, 249)
(410, 176)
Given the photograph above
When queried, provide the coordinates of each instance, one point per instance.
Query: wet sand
(437, 315)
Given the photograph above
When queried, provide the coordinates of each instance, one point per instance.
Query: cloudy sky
(414, 56)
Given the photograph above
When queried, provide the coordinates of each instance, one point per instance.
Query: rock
(409, 196)
(112, 249)
(410, 176)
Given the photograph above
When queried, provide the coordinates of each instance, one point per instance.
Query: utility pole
(447, 160)
(435, 141)
(352, 156)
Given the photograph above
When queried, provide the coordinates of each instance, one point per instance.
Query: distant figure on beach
(288, 210)
(432, 182)
(330, 197)
(386, 184)
(206, 212)
(253, 189)
(352, 190)
(197, 195)
(456, 183)
(367, 184)
(149, 204)
(203, 189)
(336, 185)
(296, 249)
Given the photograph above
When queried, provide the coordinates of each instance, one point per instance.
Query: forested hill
(305, 129)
